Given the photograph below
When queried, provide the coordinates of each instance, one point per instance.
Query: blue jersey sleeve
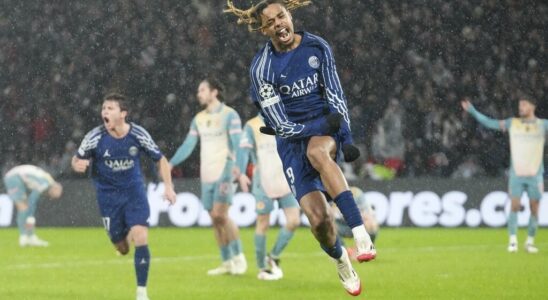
(184, 151)
(489, 122)
(333, 89)
(147, 143)
(545, 121)
(267, 98)
(89, 143)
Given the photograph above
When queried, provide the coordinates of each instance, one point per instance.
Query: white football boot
(365, 249)
(513, 247)
(268, 275)
(274, 264)
(34, 241)
(530, 248)
(225, 268)
(142, 293)
(23, 240)
(239, 264)
(348, 277)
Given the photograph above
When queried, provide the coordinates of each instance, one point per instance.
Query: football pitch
(411, 264)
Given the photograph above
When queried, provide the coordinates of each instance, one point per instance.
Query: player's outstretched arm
(165, 172)
(79, 165)
(184, 151)
(483, 119)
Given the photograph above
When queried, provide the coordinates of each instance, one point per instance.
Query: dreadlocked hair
(252, 15)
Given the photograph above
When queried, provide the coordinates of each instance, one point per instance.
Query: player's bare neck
(119, 131)
(529, 118)
(213, 106)
(292, 46)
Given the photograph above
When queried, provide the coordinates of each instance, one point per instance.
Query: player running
(219, 128)
(527, 138)
(296, 87)
(25, 184)
(269, 184)
(114, 150)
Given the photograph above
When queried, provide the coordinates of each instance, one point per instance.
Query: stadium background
(404, 66)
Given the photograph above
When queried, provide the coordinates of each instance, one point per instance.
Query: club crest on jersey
(133, 151)
(314, 62)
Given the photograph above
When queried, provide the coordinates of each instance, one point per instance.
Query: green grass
(411, 264)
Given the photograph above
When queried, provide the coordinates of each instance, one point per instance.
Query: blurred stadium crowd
(404, 66)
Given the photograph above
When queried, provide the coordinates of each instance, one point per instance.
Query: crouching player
(25, 184)
(113, 149)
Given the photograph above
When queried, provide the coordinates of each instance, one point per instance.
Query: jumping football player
(296, 87)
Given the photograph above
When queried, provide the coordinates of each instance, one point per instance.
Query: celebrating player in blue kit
(113, 149)
(296, 87)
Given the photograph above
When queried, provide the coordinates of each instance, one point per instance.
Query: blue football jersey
(116, 161)
(297, 86)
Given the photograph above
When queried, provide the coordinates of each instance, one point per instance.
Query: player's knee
(262, 224)
(122, 247)
(292, 222)
(218, 218)
(317, 156)
(22, 206)
(139, 235)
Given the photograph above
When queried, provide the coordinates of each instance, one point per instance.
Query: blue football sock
(226, 253)
(142, 264)
(21, 221)
(346, 204)
(235, 247)
(260, 250)
(283, 239)
(22, 216)
(334, 251)
(532, 228)
(513, 223)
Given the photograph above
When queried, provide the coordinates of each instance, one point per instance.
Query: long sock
(21, 219)
(513, 223)
(334, 251)
(346, 204)
(283, 239)
(532, 228)
(260, 250)
(226, 253)
(235, 247)
(142, 264)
